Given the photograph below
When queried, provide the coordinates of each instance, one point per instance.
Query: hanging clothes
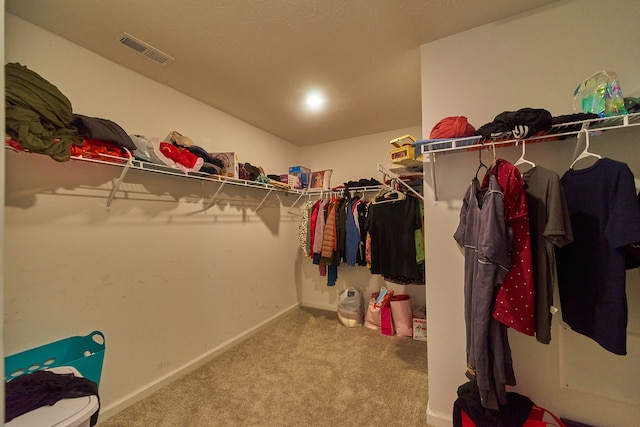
(632, 251)
(341, 227)
(363, 212)
(550, 227)
(37, 114)
(352, 233)
(313, 221)
(482, 233)
(330, 237)
(419, 237)
(304, 227)
(319, 234)
(391, 226)
(515, 304)
(605, 217)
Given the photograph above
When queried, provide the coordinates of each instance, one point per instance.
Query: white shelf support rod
(296, 202)
(390, 174)
(116, 185)
(263, 199)
(213, 198)
(432, 159)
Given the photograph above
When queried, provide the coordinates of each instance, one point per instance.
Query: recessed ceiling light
(314, 100)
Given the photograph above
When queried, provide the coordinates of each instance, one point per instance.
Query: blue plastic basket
(86, 354)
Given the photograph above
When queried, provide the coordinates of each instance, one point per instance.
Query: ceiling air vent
(145, 49)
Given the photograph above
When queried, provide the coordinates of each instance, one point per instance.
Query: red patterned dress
(514, 305)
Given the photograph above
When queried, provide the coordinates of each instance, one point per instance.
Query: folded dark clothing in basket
(34, 390)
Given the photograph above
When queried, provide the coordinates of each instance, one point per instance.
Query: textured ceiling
(255, 59)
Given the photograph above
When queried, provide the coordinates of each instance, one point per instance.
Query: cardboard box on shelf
(292, 180)
(321, 179)
(303, 173)
(230, 162)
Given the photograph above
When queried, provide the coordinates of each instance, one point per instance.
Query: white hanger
(585, 152)
(389, 194)
(522, 160)
(493, 148)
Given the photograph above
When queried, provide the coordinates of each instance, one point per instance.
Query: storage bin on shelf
(422, 146)
(403, 152)
(84, 353)
(403, 155)
(304, 175)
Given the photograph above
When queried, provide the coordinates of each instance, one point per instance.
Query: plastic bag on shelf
(600, 94)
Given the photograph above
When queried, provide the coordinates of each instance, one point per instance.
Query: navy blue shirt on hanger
(605, 217)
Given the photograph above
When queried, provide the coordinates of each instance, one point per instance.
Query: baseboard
(327, 307)
(128, 400)
(439, 419)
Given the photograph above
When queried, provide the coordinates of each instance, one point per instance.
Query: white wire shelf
(558, 131)
(131, 163)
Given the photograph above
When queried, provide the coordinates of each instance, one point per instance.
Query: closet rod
(321, 191)
(392, 175)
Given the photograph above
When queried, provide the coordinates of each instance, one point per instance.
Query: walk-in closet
(190, 276)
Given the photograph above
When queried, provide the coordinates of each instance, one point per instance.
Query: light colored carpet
(305, 369)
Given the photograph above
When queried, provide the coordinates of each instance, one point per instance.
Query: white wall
(167, 283)
(351, 159)
(534, 60)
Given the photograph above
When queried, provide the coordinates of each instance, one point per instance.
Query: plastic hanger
(391, 195)
(585, 153)
(481, 165)
(493, 149)
(522, 160)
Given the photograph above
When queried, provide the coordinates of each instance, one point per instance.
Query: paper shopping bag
(402, 315)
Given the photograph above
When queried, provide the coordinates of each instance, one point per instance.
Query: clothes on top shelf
(103, 130)
(38, 115)
(520, 124)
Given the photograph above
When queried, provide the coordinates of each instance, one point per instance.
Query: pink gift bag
(402, 314)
